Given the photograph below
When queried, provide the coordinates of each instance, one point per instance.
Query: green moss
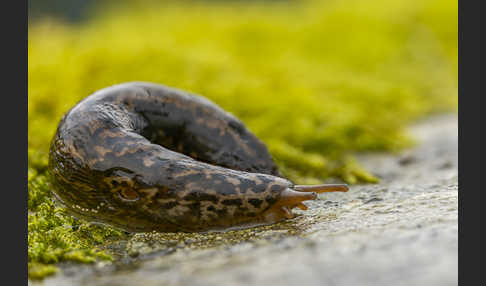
(54, 236)
(316, 80)
(38, 271)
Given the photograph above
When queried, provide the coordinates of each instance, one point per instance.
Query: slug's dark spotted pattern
(143, 157)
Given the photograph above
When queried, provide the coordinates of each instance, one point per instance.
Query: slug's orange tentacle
(322, 188)
(302, 206)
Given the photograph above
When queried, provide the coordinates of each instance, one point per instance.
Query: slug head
(293, 197)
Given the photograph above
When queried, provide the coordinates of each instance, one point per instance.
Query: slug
(142, 157)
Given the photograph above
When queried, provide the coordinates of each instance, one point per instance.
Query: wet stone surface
(402, 231)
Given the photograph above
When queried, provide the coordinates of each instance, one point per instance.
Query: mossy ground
(315, 80)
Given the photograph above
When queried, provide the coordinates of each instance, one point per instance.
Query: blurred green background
(316, 80)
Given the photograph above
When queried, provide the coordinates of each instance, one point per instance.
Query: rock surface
(402, 231)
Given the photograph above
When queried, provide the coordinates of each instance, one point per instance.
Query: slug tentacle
(322, 188)
(142, 157)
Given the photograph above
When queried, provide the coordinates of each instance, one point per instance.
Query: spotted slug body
(142, 157)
